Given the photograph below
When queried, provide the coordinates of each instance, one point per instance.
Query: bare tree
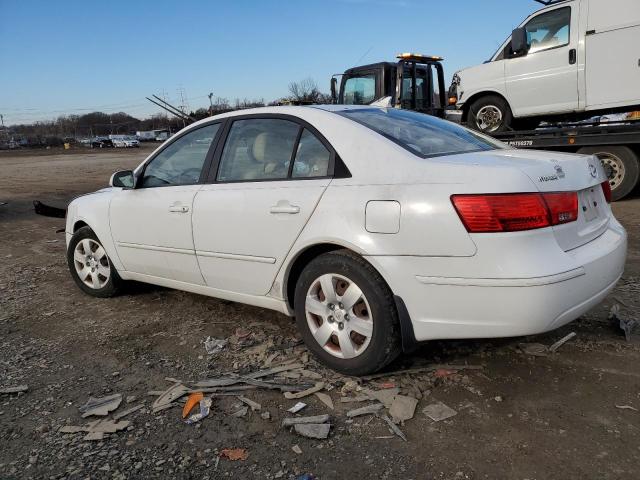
(305, 91)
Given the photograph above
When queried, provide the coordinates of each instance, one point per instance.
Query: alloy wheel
(613, 167)
(91, 263)
(339, 316)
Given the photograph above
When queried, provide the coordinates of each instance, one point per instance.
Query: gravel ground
(519, 416)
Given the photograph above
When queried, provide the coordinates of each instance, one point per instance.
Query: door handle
(179, 208)
(284, 207)
(572, 56)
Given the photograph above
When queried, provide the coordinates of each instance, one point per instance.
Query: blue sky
(59, 57)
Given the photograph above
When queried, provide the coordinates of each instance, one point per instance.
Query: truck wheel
(490, 114)
(346, 314)
(621, 165)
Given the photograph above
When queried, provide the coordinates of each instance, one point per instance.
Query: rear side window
(258, 149)
(312, 157)
(423, 135)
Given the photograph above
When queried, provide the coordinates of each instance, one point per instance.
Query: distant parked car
(124, 141)
(374, 227)
(101, 143)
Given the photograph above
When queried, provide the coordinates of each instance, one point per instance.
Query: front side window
(181, 162)
(423, 135)
(549, 30)
(360, 90)
(258, 149)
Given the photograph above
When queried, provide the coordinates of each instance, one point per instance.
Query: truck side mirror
(334, 96)
(519, 45)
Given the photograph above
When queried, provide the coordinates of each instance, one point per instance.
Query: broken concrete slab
(385, 396)
(16, 389)
(169, 396)
(324, 398)
(255, 406)
(394, 428)
(313, 430)
(403, 408)
(100, 406)
(305, 393)
(94, 436)
(288, 422)
(368, 410)
(358, 399)
(438, 411)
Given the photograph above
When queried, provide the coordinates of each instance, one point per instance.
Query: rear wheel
(621, 165)
(346, 314)
(490, 114)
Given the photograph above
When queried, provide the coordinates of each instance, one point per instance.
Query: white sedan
(376, 228)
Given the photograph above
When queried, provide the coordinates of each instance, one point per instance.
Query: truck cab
(414, 82)
(571, 60)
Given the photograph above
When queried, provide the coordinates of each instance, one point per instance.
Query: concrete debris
(296, 449)
(214, 345)
(255, 406)
(359, 398)
(100, 406)
(16, 389)
(170, 395)
(288, 422)
(561, 342)
(368, 410)
(205, 408)
(305, 393)
(96, 429)
(626, 407)
(94, 436)
(234, 454)
(438, 411)
(430, 368)
(326, 399)
(297, 407)
(313, 430)
(626, 325)
(274, 370)
(383, 396)
(241, 412)
(403, 408)
(394, 428)
(265, 415)
(534, 349)
(310, 374)
(129, 411)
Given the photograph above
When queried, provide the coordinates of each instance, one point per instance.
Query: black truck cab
(415, 82)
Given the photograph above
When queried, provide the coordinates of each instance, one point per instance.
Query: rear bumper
(442, 307)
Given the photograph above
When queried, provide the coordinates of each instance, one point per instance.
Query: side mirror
(123, 179)
(334, 96)
(519, 45)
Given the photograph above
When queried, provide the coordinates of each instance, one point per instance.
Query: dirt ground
(518, 417)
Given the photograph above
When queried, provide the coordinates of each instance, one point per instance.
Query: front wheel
(490, 114)
(90, 265)
(346, 314)
(621, 165)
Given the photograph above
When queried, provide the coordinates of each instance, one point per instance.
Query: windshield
(423, 135)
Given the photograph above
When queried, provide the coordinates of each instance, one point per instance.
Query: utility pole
(210, 103)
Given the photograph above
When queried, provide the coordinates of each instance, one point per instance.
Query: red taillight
(515, 211)
(606, 189)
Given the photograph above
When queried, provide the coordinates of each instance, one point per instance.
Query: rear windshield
(423, 135)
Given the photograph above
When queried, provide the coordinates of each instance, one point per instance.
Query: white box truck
(571, 60)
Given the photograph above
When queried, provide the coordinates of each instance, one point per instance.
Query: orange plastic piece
(192, 401)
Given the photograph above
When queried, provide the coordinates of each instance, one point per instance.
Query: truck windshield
(360, 90)
(423, 135)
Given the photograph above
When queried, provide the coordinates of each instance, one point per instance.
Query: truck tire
(490, 114)
(621, 165)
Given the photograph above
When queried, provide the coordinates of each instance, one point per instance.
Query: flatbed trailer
(616, 143)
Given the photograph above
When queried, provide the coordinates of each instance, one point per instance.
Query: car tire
(90, 266)
(490, 114)
(622, 166)
(363, 334)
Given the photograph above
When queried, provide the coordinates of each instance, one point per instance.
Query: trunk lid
(562, 172)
